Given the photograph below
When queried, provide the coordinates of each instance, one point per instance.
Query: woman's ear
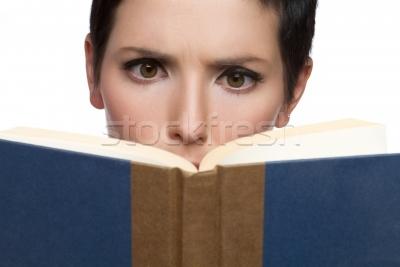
(95, 95)
(298, 90)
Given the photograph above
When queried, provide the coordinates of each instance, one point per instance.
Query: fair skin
(188, 103)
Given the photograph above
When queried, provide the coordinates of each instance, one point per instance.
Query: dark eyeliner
(237, 69)
(138, 61)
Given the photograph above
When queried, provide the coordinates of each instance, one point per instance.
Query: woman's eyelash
(128, 65)
(246, 72)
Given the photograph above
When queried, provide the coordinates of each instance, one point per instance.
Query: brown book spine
(201, 220)
(211, 219)
(242, 215)
(223, 217)
(156, 216)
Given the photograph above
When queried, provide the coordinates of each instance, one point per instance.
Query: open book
(327, 139)
(323, 194)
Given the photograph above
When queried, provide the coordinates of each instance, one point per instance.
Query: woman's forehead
(197, 27)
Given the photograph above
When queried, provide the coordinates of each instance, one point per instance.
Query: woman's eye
(237, 80)
(144, 69)
(148, 70)
(240, 79)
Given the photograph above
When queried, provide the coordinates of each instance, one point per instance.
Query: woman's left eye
(240, 80)
(144, 70)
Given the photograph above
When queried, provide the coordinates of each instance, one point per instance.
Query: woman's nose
(188, 112)
(188, 131)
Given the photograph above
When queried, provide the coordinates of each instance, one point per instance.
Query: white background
(43, 83)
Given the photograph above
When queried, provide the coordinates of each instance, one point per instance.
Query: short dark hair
(296, 32)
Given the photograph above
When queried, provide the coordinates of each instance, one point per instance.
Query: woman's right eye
(144, 70)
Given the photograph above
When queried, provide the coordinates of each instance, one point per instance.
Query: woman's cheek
(241, 115)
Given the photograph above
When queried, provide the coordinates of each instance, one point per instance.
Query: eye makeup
(230, 71)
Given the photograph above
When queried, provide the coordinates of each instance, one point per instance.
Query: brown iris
(148, 70)
(236, 80)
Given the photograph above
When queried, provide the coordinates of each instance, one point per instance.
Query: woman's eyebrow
(215, 64)
(144, 52)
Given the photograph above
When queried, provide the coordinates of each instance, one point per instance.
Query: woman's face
(186, 76)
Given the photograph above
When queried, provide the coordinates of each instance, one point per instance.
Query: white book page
(341, 142)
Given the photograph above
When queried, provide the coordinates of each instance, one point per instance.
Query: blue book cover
(62, 208)
(342, 211)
